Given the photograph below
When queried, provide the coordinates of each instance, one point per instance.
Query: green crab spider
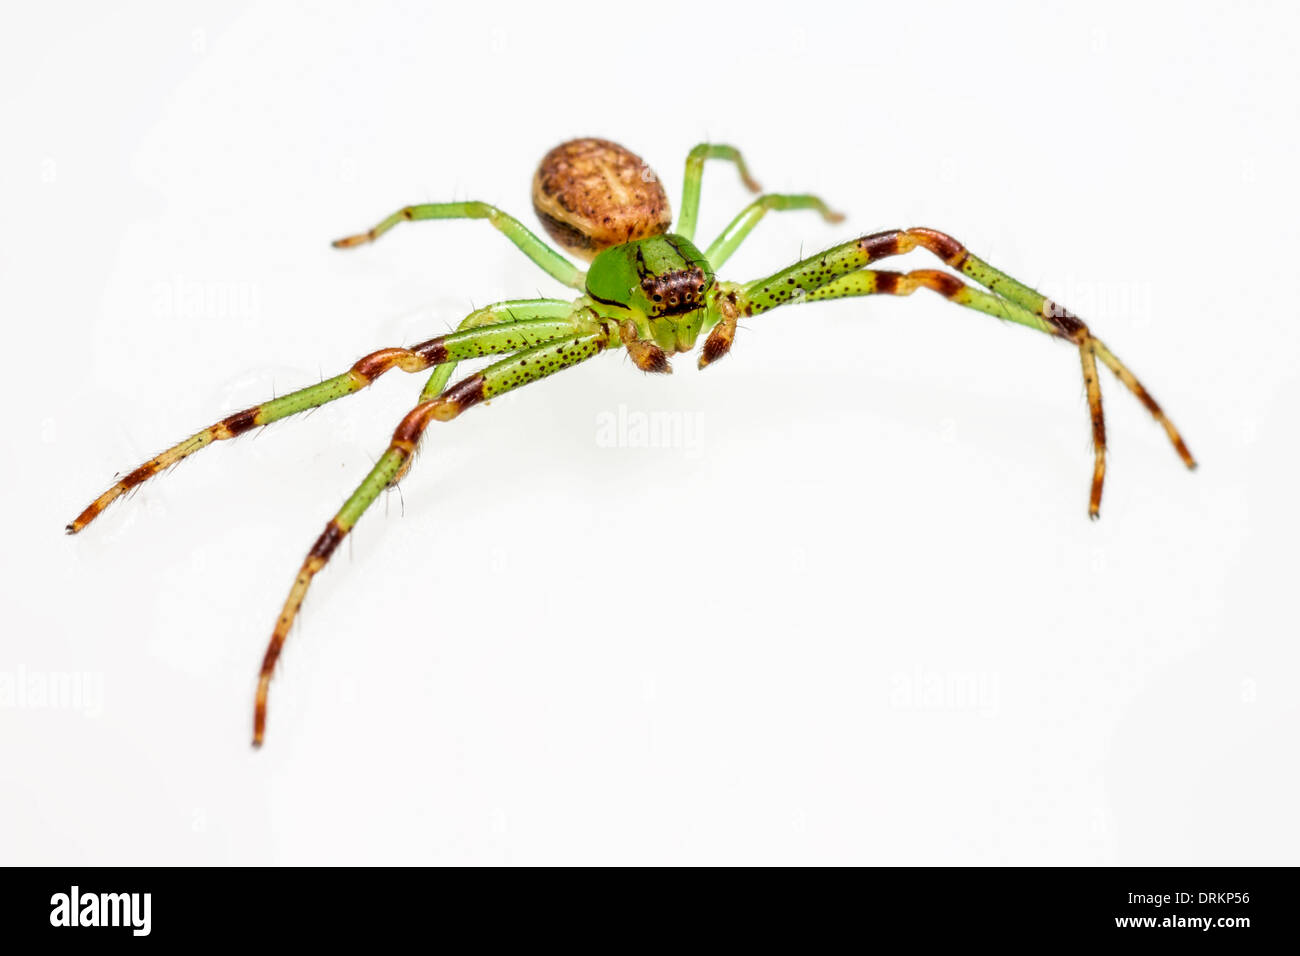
(647, 290)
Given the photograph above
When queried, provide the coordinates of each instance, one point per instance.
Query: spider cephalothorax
(649, 291)
(658, 286)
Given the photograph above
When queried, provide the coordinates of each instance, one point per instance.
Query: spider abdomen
(591, 194)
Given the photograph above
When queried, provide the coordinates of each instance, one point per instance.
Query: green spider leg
(485, 331)
(589, 336)
(836, 273)
(531, 246)
(875, 282)
(690, 211)
(731, 237)
(497, 314)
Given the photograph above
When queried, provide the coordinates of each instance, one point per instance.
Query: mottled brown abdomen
(591, 194)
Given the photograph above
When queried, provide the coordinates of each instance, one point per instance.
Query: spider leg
(695, 173)
(590, 337)
(513, 311)
(838, 272)
(1133, 385)
(740, 227)
(514, 230)
(871, 282)
(1064, 323)
(519, 324)
(1092, 386)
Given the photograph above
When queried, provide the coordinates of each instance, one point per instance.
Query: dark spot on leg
(327, 542)
(433, 351)
(143, 473)
(941, 244)
(466, 392)
(887, 282)
(407, 434)
(241, 422)
(880, 244)
(1145, 398)
(1069, 325)
(941, 282)
(371, 366)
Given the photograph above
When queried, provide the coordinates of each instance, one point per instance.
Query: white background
(853, 612)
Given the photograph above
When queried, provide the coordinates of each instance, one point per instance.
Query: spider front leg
(876, 282)
(542, 318)
(591, 336)
(514, 230)
(828, 275)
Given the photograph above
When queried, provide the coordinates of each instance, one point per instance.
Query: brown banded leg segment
(1064, 323)
(1133, 385)
(829, 275)
(472, 343)
(795, 282)
(868, 282)
(1092, 386)
(880, 282)
(504, 376)
(499, 313)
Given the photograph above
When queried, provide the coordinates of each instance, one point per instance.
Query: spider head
(664, 279)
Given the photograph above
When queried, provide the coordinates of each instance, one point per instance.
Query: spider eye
(658, 297)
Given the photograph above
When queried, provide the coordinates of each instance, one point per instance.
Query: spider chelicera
(647, 290)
